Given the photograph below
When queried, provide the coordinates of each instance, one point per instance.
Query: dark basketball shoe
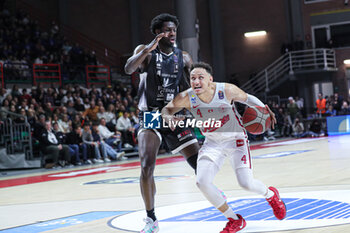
(277, 205)
(233, 226)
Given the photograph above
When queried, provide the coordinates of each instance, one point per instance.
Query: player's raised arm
(180, 102)
(141, 52)
(234, 93)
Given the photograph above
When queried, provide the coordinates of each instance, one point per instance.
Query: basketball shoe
(233, 226)
(151, 226)
(277, 205)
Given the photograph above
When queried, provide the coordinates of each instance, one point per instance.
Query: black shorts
(176, 140)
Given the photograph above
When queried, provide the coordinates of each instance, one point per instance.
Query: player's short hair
(157, 22)
(203, 65)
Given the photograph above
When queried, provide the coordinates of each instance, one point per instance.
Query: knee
(245, 184)
(147, 168)
(202, 183)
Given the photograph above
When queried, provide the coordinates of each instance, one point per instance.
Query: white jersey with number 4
(229, 140)
(219, 109)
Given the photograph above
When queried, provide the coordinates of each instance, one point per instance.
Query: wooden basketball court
(90, 198)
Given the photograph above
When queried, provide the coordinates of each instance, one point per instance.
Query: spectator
(111, 138)
(91, 112)
(88, 140)
(321, 105)
(39, 126)
(15, 91)
(337, 102)
(61, 138)
(111, 117)
(316, 129)
(3, 94)
(75, 143)
(298, 128)
(71, 109)
(25, 95)
(79, 106)
(292, 109)
(124, 126)
(21, 120)
(331, 111)
(109, 150)
(345, 110)
(65, 124)
(287, 126)
(300, 104)
(102, 114)
(51, 148)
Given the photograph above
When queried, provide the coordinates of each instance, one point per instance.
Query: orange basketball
(256, 120)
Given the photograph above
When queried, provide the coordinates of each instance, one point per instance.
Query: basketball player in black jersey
(164, 73)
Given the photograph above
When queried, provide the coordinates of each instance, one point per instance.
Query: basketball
(256, 120)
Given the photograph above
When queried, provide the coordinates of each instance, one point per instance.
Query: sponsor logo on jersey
(304, 210)
(221, 94)
(152, 120)
(193, 99)
(169, 97)
(167, 82)
(239, 142)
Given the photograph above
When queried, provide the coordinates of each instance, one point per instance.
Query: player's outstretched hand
(154, 43)
(272, 115)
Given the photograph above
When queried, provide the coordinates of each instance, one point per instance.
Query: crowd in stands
(291, 115)
(92, 124)
(23, 43)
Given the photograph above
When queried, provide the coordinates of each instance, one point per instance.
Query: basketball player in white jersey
(212, 100)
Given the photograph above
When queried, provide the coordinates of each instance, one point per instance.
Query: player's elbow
(128, 70)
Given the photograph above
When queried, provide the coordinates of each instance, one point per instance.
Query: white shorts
(236, 149)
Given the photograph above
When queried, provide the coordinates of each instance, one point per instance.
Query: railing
(104, 54)
(16, 136)
(97, 75)
(290, 63)
(47, 73)
(23, 73)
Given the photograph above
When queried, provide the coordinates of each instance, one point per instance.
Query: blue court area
(63, 222)
(258, 209)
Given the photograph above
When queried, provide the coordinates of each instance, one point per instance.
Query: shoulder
(230, 87)
(182, 97)
(234, 93)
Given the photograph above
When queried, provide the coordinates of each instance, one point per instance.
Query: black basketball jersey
(161, 82)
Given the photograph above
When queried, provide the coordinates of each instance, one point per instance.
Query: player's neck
(165, 48)
(208, 95)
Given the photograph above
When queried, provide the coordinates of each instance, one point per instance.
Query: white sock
(230, 214)
(269, 194)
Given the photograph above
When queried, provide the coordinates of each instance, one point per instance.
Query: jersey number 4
(199, 112)
(244, 159)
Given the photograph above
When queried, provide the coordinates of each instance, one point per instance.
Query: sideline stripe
(82, 172)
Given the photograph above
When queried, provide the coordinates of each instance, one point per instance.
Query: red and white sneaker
(233, 226)
(277, 205)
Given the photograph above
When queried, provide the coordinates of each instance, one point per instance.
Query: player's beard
(166, 43)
